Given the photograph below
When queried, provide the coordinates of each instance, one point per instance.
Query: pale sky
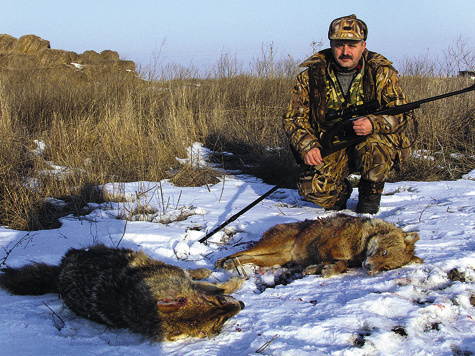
(198, 32)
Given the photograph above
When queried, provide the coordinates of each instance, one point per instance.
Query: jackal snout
(390, 250)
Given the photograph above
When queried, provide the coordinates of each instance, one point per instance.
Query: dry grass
(445, 146)
(119, 128)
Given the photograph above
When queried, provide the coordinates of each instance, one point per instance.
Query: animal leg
(227, 287)
(266, 260)
(314, 269)
(199, 273)
(326, 269)
(334, 268)
(263, 256)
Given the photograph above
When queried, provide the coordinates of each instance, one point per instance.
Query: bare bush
(459, 56)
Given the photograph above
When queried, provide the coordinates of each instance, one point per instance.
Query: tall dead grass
(445, 146)
(118, 127)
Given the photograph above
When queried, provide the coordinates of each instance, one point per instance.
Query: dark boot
(345, 194)
(369, 196)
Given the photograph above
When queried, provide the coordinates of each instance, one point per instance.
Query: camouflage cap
(348, 28)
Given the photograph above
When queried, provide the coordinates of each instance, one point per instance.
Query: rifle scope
(353, 111)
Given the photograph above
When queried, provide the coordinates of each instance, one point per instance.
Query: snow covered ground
(423, 309)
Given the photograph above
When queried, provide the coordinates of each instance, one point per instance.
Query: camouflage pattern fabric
(348, 28)
(317, 91)
(324, 184)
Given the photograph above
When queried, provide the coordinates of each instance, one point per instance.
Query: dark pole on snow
(238, 214)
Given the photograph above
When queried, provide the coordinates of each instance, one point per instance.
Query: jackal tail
(32, 279)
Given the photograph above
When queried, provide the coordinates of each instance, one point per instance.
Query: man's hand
(313, 157)
(362, 126)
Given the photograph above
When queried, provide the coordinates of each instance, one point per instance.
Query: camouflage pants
(325, 184)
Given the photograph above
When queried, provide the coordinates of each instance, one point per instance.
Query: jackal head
(390, 249)
(198, 315)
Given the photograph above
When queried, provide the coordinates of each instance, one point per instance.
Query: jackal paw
(232, 284)
(329, 270)
(199, 273)
(326, 270)
(314, 269)
(225, 263)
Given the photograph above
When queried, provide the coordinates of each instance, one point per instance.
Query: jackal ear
(410, 238)
(168, 306)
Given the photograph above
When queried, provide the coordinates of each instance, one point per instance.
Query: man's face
(347, 53)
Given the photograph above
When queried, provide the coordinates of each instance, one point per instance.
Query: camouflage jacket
(317, 90)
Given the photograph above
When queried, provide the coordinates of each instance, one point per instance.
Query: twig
(222, 189)
(427, 207)
(240, 268)
(94, 236)
(168, 204)
(123, 234)
(207, 185)
(263, 347)
(56, 315)
(179, 198)
(8, 252)
(280, 210)
(140, 193)
(163, 200)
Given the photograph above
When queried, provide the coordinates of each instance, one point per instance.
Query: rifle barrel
(399, 109)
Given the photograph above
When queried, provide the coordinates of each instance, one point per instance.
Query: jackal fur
(127, 289)
(330, 245)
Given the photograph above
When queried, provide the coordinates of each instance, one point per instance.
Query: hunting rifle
(345, 117)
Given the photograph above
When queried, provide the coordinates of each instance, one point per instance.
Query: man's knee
(323, 191)
(374, 160)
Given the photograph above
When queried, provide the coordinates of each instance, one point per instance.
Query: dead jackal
(331, 245)
(127, 289)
